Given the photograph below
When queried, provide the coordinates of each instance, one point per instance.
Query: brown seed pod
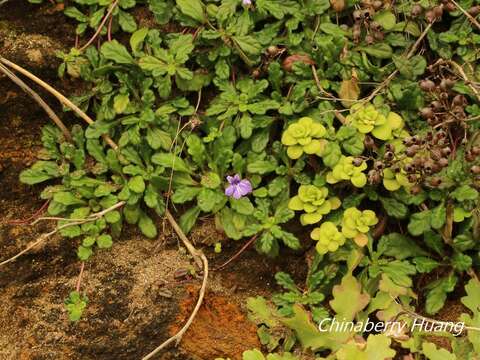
(475, 169)
(436, 105)
(427, 113)
(441, 134)
(459, 100)
(369, 39)
(444, 96)
(469, 156)
(409, 168)
(417, 189)
(377, 5)
(375, 26)
(357, 161)
(416, 10)
(290, 60)
(438, 11)
(412, 178)
(369, 142)
(474, 10)
(273, 50)
(411, 151)
(443, 162)
(357, 15)
(430, 16)
(435, 181)
(374, 177)
(390, 147)
(446, 151)
(256, 73)
(435, 154)
(427, 85)
(449, 6)
(378, 35)
(389, 156)
(446, 84)
(378, 165)
(337, 5)
(475, 150)
(428, 166)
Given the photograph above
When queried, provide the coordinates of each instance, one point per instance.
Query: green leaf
(432, 353)
(464, 192)
(184, 194)
(348, 298)
(113, 50)
(248, 44)
(104, 241)
(127, 22)
(378, 50)
(331, 154)
(386, 19)
(394, 208)
(67, 198)
(399, 246)
(157, 139)
(40, 172)
(438, 216)
(137, 39)
(147, 227)
(188, 219)
(137, 184)
(192, 8)
(169, 160)
(252, 355)
(438, 293)
(461, 262)
(261, 167)
(242, 206)
(211, 180)
(84, 253)
(425, 264)
(419, 223)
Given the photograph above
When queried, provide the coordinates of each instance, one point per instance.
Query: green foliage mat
(356, 121)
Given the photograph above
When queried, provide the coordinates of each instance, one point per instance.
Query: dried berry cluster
(363, 19)
(446, 107)
(435, 13)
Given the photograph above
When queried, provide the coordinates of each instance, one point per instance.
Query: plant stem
(64, 100)
(100, 27)
(39, 100)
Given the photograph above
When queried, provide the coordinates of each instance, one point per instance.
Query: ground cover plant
(343, 130)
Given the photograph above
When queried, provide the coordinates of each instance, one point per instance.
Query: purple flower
(238, 187)
(247, 2)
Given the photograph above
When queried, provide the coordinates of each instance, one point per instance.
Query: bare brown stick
(464, 12)
(238, 253)
(27, 220)
(79, 280)
(100, 27)
(45, 236)
(38, 99)
(197, 256)
(64, 100)
(191, 249)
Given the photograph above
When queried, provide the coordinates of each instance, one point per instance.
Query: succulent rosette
(328, 237)
(314, 201)
(367, 119)
(347, 170)
(356, 223)
(304, 136)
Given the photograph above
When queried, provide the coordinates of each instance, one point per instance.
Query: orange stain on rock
(220, 328)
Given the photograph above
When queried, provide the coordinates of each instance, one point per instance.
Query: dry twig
(100, 27)
(38, 99)
(45, 236)
(64, 100)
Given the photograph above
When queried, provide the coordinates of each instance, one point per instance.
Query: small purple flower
(247, 2)
(238, 187)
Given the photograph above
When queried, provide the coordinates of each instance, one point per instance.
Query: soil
(135, 303)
